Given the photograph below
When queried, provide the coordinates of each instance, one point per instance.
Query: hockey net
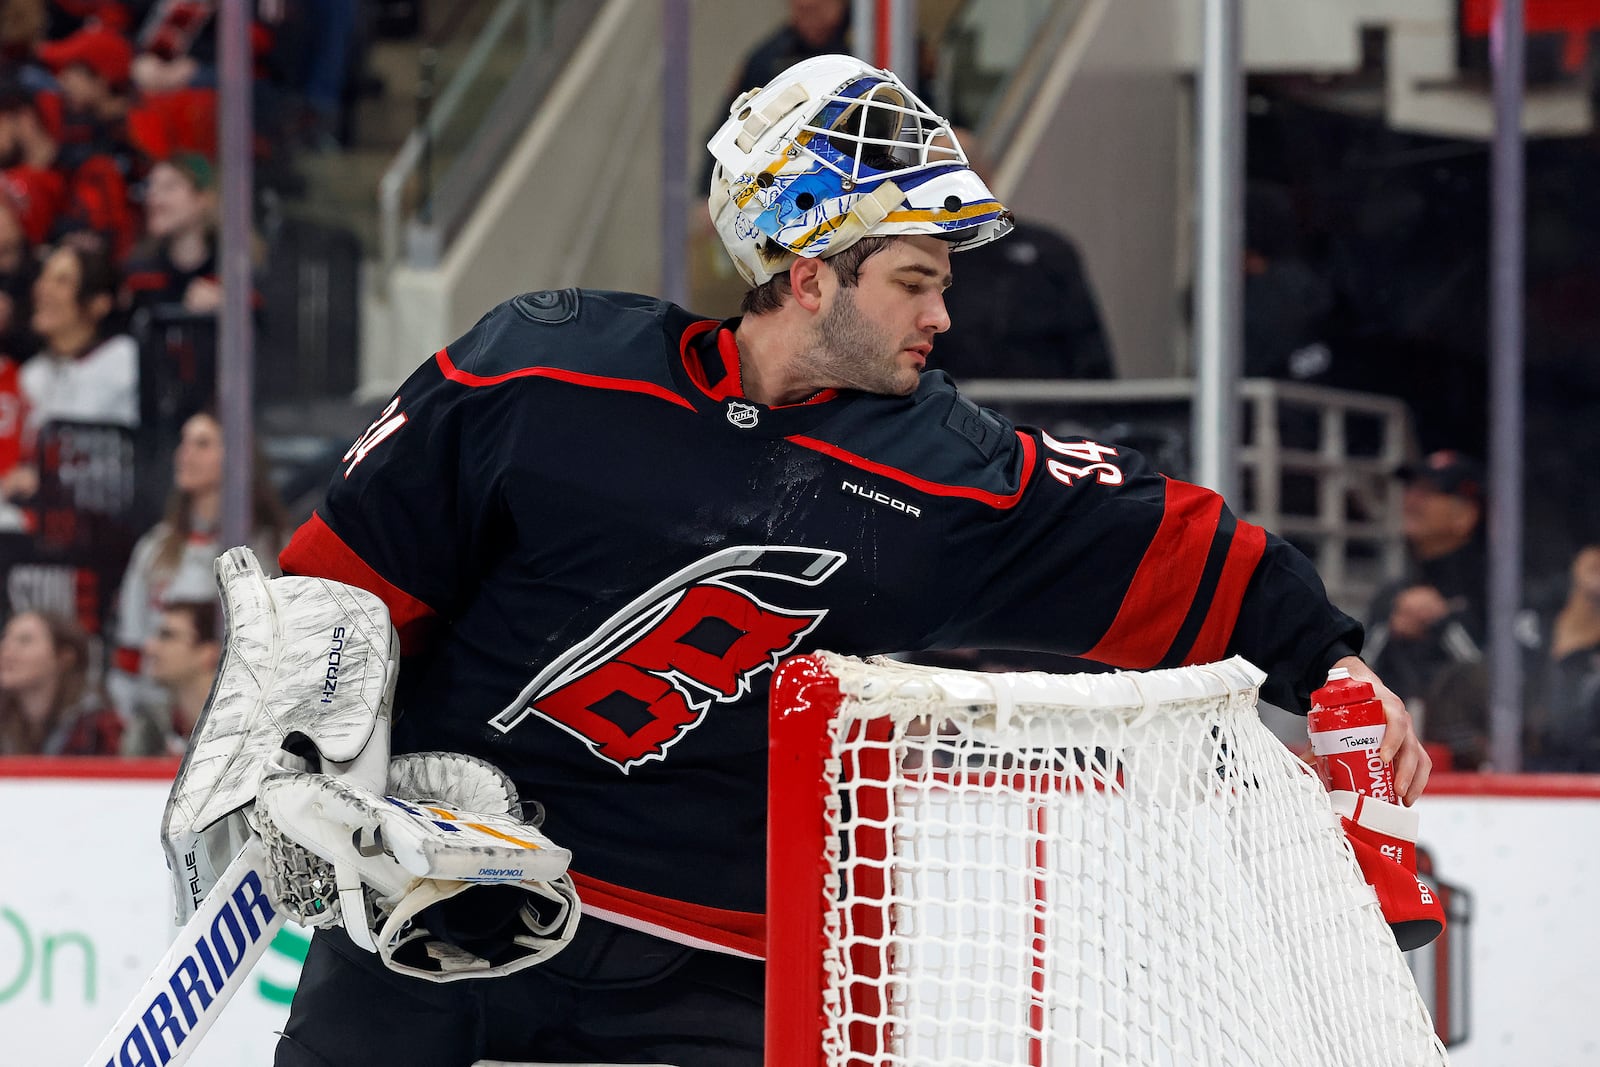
(1037, 869)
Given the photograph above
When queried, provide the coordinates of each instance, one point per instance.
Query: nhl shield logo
(743, 415)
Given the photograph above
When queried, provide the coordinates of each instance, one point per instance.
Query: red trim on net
(804, 699)
(593, 381)
(1244, 552)
(316, 551)
(740, 931)
(127, 660)
(994, 500)
(115, 768)
(1163, 588)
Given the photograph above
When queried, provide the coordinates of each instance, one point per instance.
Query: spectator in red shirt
(47, 705)
(54, 197)
(91, 67)
(13, 412)
(28, 150)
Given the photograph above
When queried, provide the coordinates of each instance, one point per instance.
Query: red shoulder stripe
(315, 551)
(994, 500)
(741, 932)
(593, 381)
(1158, 598)
(1244, 552)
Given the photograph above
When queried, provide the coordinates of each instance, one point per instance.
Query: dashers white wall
(85, 912)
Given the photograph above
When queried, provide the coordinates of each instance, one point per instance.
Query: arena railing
(1319, 464)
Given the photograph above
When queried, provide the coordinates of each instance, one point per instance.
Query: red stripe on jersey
(983, 496)
(1163, 588)
(593, 381)
(1244, 552)
(127, 660)
(315, 551)
(741, 932)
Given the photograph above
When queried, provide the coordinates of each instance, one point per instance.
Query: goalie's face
(876, 335)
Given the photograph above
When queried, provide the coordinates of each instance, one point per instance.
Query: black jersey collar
(710, 371)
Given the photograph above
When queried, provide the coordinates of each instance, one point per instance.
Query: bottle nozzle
(1337, 673)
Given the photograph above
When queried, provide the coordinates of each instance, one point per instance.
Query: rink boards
(85, 912)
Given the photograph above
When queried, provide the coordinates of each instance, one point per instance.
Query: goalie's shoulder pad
(579, 331)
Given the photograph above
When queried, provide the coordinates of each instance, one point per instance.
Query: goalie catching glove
(443, 878)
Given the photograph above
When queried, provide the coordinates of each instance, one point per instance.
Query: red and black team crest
(694, 640)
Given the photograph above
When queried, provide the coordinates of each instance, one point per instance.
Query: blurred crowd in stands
(109, 190)
(1359, 273)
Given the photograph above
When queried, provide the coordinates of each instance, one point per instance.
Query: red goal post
(1032, 869)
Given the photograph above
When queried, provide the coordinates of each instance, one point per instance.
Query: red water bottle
(1346, 725)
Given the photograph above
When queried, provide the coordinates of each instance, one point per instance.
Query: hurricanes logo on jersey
(647, 676)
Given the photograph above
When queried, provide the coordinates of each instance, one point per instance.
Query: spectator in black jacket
(1430, 624)
(1022, 307)
(177, 264)
(1563, 677)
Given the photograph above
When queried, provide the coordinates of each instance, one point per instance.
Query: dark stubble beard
(851, 352)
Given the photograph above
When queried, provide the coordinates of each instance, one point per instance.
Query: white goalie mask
(834, 150)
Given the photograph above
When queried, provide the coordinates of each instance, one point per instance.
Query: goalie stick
(211, 958)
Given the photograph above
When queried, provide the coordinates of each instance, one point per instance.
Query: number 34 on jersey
(1090, 454)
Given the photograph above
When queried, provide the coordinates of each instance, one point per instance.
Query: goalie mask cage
(1029, 870)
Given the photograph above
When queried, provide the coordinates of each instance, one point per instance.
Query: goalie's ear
(1410, 906)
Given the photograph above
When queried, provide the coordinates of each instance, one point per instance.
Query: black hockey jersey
(595, 550)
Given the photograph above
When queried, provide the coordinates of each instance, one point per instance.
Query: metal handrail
(391, 187)
(1056, 36)
(548, 33)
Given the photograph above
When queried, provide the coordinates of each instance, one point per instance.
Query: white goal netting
(1069, 870)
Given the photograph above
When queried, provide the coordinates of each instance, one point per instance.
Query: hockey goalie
(288, 807)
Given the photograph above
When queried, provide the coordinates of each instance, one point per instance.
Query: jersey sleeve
(1104, 558)
(414, 509)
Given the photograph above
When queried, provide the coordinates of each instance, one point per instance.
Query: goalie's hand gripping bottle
(1346, 725)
